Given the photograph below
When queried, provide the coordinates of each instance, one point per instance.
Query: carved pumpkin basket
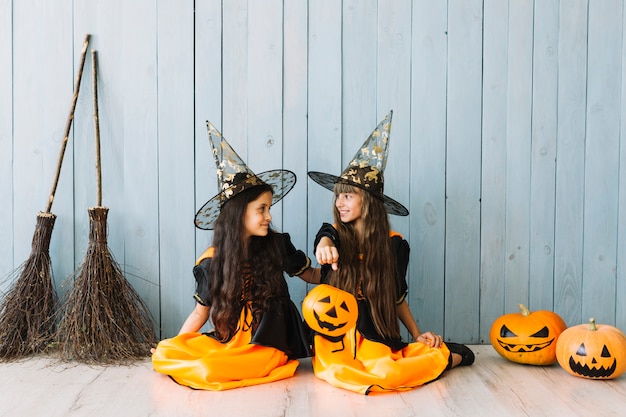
(593, 351)
(330, 311)
(527, 337)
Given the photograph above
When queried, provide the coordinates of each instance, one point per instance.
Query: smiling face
(349, 205)
(257, 217)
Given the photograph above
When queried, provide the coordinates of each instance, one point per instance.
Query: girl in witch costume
(361, 256)
(258, 332)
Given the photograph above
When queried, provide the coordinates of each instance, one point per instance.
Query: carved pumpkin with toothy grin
(527, 337)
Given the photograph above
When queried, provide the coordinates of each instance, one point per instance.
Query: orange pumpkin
(329, 310)
(593, 351)
(527, 337)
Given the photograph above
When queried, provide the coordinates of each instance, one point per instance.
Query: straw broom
(27, 312)
(104, 320)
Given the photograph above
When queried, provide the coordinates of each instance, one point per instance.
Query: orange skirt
(364, 366)
(199, 361)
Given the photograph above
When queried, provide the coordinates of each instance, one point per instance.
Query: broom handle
(96, 124)
(68, 124)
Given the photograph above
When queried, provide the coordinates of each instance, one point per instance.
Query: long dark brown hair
(243, 270)
(374, 276)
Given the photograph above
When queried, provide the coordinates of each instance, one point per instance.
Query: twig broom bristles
(104, 320)
(27, 312)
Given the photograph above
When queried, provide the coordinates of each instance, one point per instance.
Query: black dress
(281, 326)
(365, 324)
(363, 360)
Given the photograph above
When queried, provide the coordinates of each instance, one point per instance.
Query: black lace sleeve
(295, 262)
(327, 230)
(201, 273)
(400, 248)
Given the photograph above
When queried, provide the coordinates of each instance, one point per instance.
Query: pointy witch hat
(234, 176)
(366, 168)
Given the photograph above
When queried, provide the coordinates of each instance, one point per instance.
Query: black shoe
(467, 356)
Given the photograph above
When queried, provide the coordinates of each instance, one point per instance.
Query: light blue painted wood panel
(428, 160)
(265, 91)
(208, 101)
(7, 264)
(235, 83)
(494, 160)
(518, 149)
(393, 92)
(359, 115)
(570, 160)
(620, 293)
(138, 94)
(325, 105)
(543, 161)
(602, 160)
(463, 170)
(295, 128)
(176, 161)
(208, 106)
(43, 83)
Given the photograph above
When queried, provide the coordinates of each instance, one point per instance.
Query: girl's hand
(430, 339)
(326, 253)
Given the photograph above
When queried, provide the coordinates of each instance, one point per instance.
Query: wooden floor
(492, 386)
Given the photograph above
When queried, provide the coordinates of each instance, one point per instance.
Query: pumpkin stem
(525, 311)
(592, 324)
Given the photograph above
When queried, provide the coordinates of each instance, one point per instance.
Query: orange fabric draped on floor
(200, 361)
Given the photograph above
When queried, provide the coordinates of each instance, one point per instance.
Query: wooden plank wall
(506, 140)
(6, 141)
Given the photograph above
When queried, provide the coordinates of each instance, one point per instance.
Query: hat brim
(328, 181)
(281, 181)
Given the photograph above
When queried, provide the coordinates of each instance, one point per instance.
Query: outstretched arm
(196, 319)
(311, 275)
(326, 253)
(406, 317)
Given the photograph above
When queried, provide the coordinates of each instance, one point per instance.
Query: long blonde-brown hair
(373, 276)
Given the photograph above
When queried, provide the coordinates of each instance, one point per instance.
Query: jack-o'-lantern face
(593, 366)
(329, 310)
(593, 351)
(527, 337)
